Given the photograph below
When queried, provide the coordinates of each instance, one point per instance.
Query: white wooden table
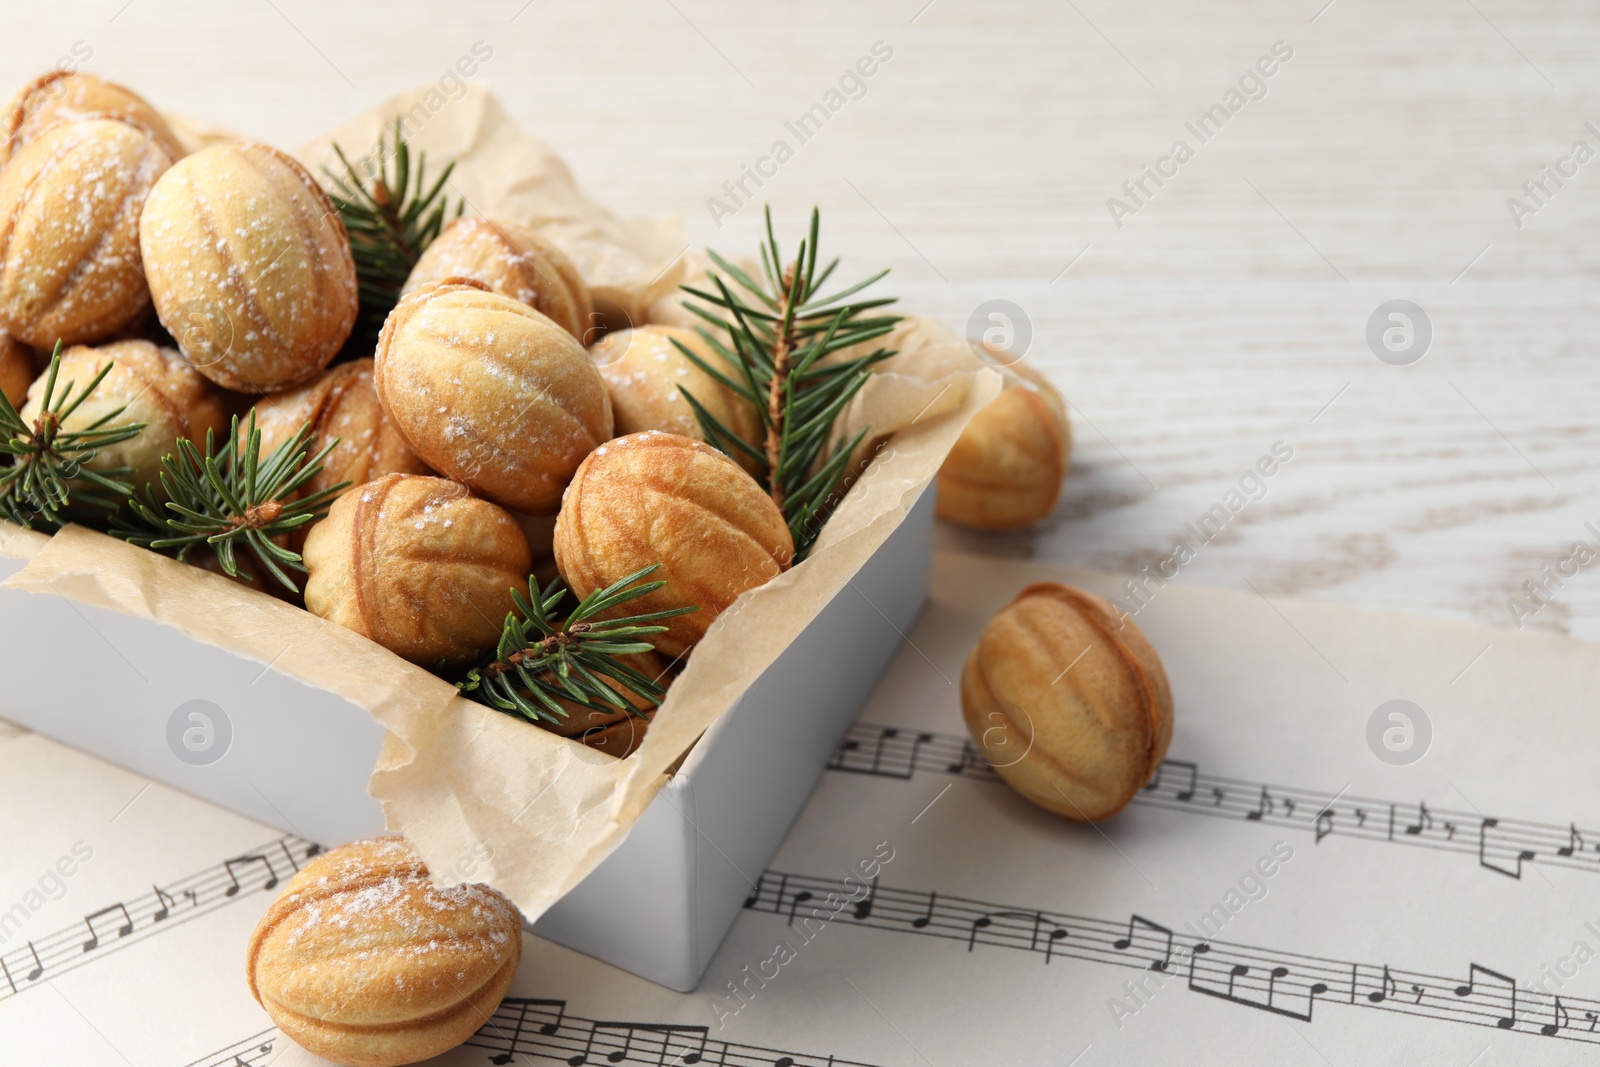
(1227, 313)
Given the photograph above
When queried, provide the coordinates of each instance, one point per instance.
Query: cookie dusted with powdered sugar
(250, 267)
(364, 961)
(492, 393)
(70, 203)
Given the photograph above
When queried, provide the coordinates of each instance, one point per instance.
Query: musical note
(166, 905)
(797, 900)
(1056, 934)
(982, 922)
(969, 760)
(755, 892)
(1574, 842)
(1424, 821)
(1185, 794)
(523, 1005)
(228, 865)
(122, 931)
(1262, 809)
(1386, 990)
(1483, 846)
(617, 1055)
(290, 855)
(1324, 825)
(1558, 1019)
(1506, 1022)
(921, 921)
(863, 908)
(1137, 923)
(1238, 996)
(877, 754)
(38, 967)
(506, 1056)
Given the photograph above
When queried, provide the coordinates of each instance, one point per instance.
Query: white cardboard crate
(299, 757)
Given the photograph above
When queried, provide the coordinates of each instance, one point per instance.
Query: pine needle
(777, 334)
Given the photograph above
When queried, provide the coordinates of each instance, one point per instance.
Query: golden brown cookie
(661, 498)
(342, 404)
(418, 565)
(364, 961)
(511, 260)
(648, 376)
(1006, 469)
(16, 369)
(70, 203)
(151, 385)
(1068, 701)
(60, 96)
(491, 392)
(250, 267)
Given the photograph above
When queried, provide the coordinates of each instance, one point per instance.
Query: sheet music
(1500, 845)
(1277, 894)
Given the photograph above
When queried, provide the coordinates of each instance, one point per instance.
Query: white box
(298, 758)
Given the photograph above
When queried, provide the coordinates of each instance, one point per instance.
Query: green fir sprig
(47, 481)
(392, 216)
(776, 334)
(540, 661)
(230, 499)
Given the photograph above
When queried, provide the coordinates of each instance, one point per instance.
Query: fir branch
(392, 217)
(539, 663)
(231, 499)
(778, 334)
(48, 481)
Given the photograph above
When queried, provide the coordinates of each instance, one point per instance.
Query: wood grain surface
(1227, 313)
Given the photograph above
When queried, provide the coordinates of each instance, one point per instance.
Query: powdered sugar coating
(250, 267)
(59, 96)
(513, 260)
(362, 945)
(647, 375)
(492, 393)
(341, 404)
(418, 565)
(70, 203)
(148, 384)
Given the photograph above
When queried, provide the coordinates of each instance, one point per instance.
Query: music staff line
(118, 925)
(1501, 845)
(253, 1051)
(541, 1029)
(1283, 983)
